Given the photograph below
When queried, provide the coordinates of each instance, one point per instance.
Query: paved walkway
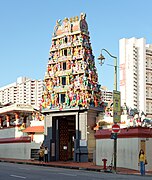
(74, 165)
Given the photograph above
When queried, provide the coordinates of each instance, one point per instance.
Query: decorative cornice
(132, 132)
(15, 140)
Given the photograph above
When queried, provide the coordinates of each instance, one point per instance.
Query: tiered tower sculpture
(71, 78)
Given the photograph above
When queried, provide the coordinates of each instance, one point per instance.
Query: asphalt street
(12, 171)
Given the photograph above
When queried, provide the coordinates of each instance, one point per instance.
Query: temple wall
(83, 125)
(10, 132)
(149, 153)
(127, 152)
(91, 121)
(16, 151)
(38, 138)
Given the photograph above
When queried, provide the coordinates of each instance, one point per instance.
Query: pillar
(1, 122)
(7, 120)
(32, 136)
(16, 118)
(76, 142)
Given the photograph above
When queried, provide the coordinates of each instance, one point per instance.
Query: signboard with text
(116, 107)
(83, 142)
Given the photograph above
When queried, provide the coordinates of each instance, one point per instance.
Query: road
(12, 171)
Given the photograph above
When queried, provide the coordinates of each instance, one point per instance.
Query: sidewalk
(73, 165)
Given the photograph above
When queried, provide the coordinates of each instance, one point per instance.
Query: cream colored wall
(10, 132)
(83, 125)
(104, 149)
(91, 121)
(16, 151)
(149, 153)
(38, 138)
(7, 133)
(127, 152)
(47, 123)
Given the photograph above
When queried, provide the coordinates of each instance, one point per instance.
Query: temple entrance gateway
(66, 133)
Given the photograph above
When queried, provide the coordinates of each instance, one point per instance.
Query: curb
(71, 167)
(51, 165)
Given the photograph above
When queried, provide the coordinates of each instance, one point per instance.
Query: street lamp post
(102, 58)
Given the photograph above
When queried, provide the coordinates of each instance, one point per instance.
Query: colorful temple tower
(72, 98)
(71, 78)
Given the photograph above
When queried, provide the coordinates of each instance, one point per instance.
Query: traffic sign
(115, 128)
(114, 136)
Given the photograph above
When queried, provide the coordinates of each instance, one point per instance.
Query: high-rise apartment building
(107, 95)
(136, 74)
(23, 91)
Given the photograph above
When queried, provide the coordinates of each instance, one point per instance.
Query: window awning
(34, 129)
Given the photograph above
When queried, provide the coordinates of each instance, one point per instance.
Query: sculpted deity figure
(67, 99)
(66, 25)
(58, 23)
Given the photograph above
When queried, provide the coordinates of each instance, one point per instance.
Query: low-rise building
(21, 131)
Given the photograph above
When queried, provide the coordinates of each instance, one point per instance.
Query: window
(65, 52)
(54, 42)
(64, 66)
(62, 98)
(65, 39)
(63, 80)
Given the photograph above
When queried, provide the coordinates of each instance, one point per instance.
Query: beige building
(107, 95)
(23, 91)
(136, 74)
(21, 131)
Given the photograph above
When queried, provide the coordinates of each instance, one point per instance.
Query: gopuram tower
(71, 78)
(72, 98)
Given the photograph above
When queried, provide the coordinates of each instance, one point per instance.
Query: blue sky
(26, 28)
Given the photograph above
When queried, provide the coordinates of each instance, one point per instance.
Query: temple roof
(16, 107)
(34, 129)
(71, 25)
(132, 132)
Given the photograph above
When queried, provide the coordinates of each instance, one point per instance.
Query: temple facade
(71, 99)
